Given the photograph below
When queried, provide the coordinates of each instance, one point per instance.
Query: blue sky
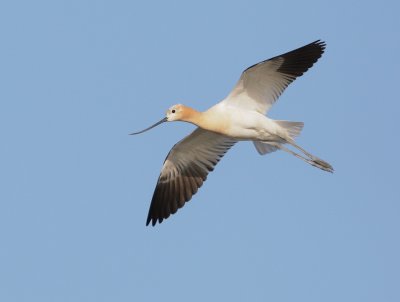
(78, 76)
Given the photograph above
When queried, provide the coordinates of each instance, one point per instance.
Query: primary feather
(260, 85)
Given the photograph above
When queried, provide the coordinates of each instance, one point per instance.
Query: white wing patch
(261, 85)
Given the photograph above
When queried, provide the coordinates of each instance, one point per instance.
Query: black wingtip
(320, 43)
(298, 61)
(304, 57)
(153, 221)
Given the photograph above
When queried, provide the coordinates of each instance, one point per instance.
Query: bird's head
(177, 112)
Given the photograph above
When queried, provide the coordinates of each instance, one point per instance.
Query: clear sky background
(78, 76)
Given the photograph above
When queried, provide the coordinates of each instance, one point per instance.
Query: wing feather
(184, 171)
(261, 84)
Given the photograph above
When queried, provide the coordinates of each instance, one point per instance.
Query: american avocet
(239, 117)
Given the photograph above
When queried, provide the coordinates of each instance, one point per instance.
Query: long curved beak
(156, 124)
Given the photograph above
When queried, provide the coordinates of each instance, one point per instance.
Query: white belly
(252, 126)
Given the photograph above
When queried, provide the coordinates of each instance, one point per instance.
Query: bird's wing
(184, 171)
(260, 85)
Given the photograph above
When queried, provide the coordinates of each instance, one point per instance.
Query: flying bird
(241, 116)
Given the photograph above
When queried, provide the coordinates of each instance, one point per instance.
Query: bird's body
(242, 125)
(241, 116)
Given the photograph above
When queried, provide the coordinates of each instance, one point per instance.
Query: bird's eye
(173, 111)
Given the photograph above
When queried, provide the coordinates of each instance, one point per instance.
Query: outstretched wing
(184, 171)
(260, 85)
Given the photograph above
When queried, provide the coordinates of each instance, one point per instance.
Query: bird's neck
(207, 120)
(192, 116)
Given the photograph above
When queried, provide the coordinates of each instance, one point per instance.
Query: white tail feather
(293, 128)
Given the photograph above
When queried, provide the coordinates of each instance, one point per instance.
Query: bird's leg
(312, 157)
(283, 148)
(313, 161)
(292, 143)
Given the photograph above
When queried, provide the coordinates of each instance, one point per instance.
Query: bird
(241, 116)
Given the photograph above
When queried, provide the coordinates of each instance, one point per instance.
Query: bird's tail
(293, 128)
